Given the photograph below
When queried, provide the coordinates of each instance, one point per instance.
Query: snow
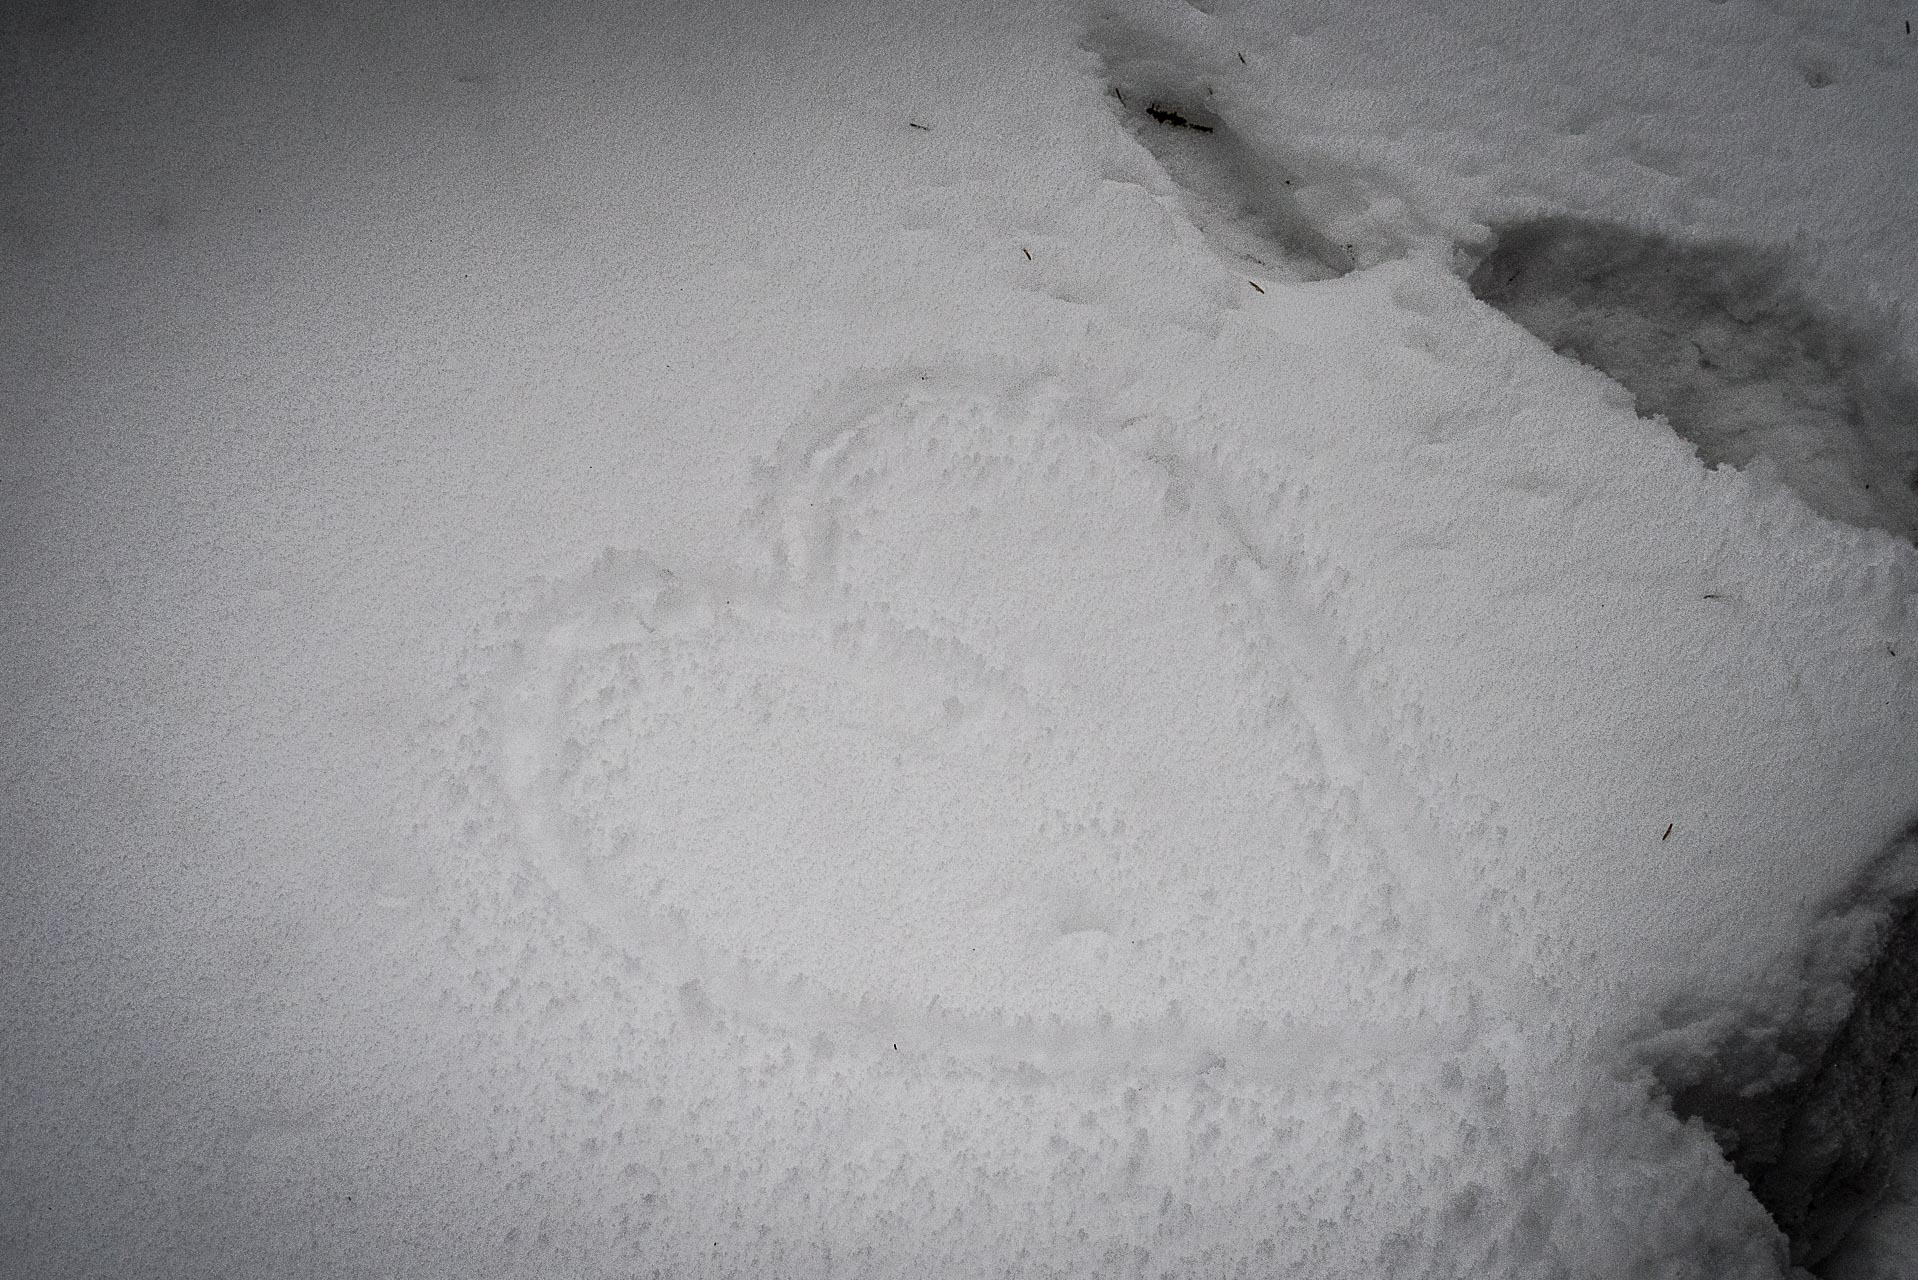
(865, 641)
(1884, 1245)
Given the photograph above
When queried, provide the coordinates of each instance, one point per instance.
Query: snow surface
(851, 639)
(1885, 1245)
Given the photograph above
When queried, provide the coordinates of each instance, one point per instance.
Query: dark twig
(1166, 115)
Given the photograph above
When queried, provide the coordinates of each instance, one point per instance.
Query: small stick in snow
(1668, 832)
(923, 128)
(1166, 115)
(1907, 32)
(1255, 285)
(1027, 252)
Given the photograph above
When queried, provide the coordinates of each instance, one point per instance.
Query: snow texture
(1144, 639)
(1883, 1245)
(1712, 338)
(1815, 1120)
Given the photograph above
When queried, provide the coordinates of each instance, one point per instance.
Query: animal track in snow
(1015, 741)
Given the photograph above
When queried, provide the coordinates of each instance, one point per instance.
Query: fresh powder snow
(1085, 639)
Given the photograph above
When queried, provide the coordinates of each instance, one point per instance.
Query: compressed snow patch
(1714, 338)
(1016, 709)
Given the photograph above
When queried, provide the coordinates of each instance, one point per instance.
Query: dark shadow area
(1717, 340)
(1816, 1123)
(1248, 201)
